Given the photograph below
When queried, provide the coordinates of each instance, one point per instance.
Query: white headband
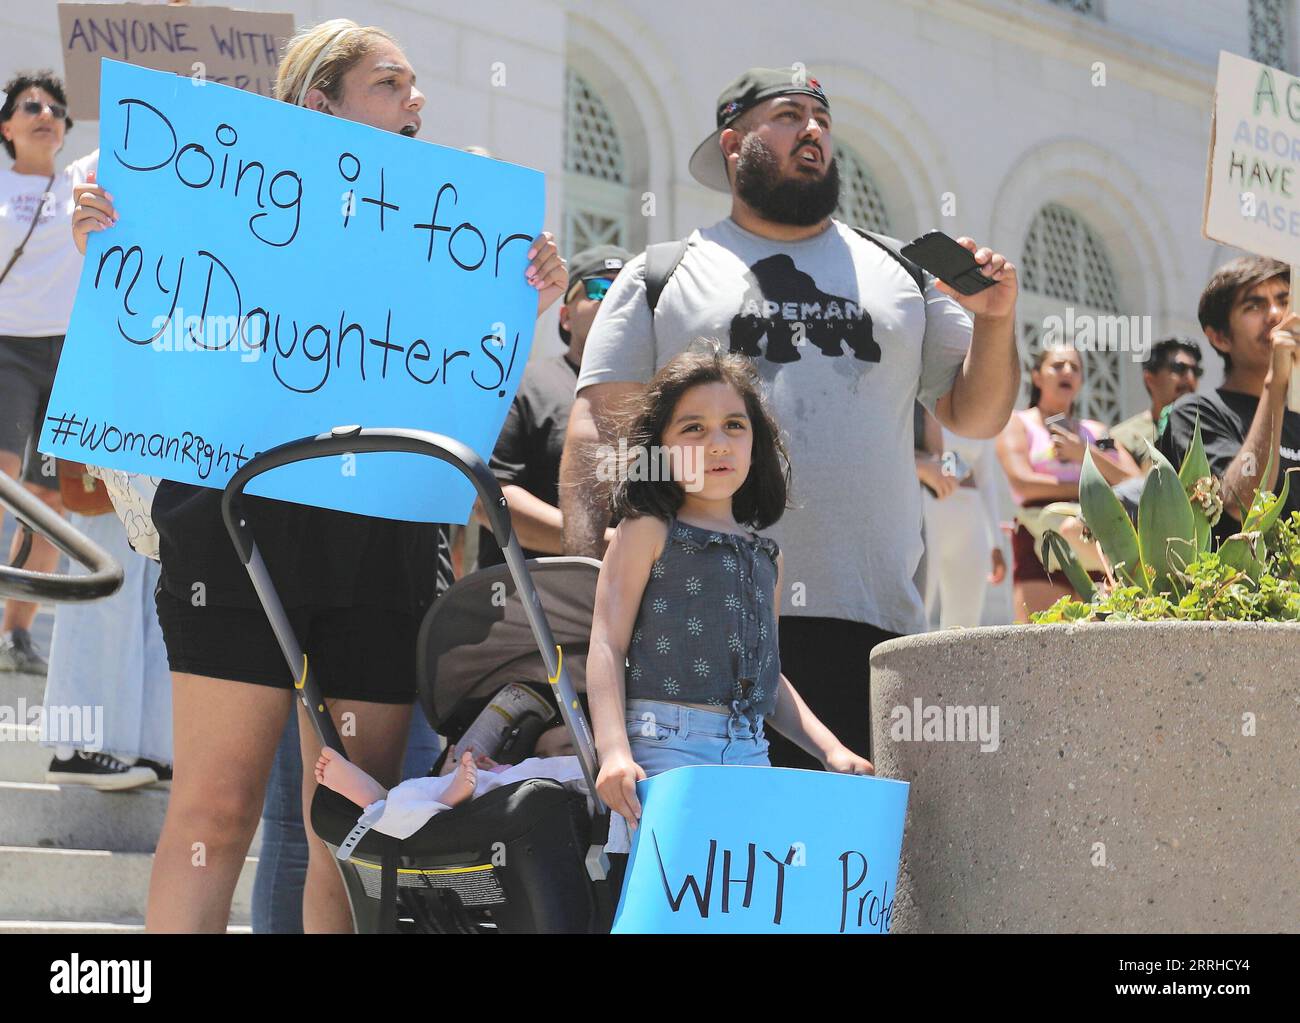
(320, 59)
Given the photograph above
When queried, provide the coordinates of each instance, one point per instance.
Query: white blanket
(413, 803)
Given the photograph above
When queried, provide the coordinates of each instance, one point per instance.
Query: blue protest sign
(277, 272)
(747, 850)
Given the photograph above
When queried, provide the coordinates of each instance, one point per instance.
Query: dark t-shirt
(314, 556)
(528, 451)
(1225, 418)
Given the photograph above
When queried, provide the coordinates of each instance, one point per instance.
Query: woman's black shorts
(27, 366)
(359, 653)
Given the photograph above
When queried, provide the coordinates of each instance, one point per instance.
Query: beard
(791, 201)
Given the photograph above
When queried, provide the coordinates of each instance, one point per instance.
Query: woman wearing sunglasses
(526, 459)
(39, 267)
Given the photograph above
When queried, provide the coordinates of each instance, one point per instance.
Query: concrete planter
(1146, 776)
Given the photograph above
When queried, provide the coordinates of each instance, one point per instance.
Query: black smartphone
(1063, 421)
(950, 262)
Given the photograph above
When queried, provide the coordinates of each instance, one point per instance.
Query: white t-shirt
(872, 345)
(36, 298)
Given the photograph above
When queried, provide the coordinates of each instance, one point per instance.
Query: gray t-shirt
(871, 347)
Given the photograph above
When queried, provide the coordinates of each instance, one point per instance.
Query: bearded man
(846, 335)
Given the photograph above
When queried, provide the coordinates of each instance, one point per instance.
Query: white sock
(64, 752)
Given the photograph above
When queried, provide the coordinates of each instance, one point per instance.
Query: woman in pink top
(1043, 464)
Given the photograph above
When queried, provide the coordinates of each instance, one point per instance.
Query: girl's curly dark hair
(762, 498)
(20, 83)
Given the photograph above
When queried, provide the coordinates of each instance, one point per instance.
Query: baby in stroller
(402, 811)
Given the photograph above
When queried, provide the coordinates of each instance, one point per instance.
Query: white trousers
(108, 656)
(958, 557)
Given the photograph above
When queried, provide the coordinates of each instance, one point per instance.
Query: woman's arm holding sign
(93, 211)
(547, 271)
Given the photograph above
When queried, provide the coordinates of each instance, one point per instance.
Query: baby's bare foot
(466, 779)
(336, 772)
(450, 762)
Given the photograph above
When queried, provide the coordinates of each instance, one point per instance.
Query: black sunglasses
(35, 107)
(1180, 369)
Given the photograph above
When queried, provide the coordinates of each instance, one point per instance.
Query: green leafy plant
(1164, 568)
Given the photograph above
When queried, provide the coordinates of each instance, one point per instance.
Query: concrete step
(77, 817)
(89, 884)
(91, 927)
(22, 757)
(16, 685)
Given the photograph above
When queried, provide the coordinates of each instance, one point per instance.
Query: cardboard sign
(1252, 186)
(1252, 182)
(277, 272)
(216, 44)
(747, 850)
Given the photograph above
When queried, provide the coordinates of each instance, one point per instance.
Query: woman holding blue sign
(689, 598)
(355, 588)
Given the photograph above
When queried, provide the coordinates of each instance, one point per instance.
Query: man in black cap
(847, 336)
(526, 459)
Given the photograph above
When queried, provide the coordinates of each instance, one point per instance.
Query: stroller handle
(344, 440)
(105, 576)
(357, 440)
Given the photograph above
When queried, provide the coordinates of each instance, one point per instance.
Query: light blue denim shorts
(667, 735)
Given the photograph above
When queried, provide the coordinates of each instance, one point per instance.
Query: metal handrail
(105, 576)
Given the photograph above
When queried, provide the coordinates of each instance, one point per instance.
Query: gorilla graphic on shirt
(779, 297)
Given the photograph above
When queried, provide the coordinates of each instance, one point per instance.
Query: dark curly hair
(763, 497)
(19, 84)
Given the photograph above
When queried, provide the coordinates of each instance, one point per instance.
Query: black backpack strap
(661, 260)
(915, 272)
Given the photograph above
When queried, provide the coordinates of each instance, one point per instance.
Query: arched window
(1068, 280)
(861, 204)
(597, 199)
(1269, 43)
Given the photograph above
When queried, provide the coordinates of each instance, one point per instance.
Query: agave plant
(1168, 554)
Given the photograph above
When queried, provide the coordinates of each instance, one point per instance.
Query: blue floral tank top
(706, 631)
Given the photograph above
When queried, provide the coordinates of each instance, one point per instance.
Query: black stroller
(525, 858)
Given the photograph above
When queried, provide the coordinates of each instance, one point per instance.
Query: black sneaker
(98, 770)
(162, 772)
(19, 653)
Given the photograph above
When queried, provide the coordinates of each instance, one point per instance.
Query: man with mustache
(847, 335)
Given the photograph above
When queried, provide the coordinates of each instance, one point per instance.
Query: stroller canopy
(476, 638)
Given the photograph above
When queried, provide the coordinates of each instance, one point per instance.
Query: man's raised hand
(1283, 337)
(997, 302)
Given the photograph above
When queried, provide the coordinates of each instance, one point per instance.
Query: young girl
(689, 597)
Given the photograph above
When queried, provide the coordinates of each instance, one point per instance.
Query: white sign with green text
(1252, 185)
